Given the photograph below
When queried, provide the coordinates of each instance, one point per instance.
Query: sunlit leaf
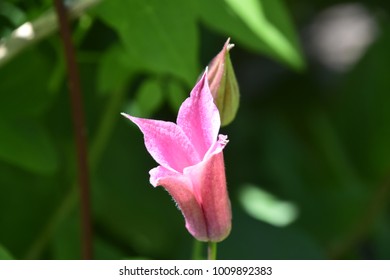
(266, 207)
(13, 14)
(264, 26)
(251, 239)
(152, 37)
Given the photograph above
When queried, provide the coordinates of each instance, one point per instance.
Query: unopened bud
(223, 84)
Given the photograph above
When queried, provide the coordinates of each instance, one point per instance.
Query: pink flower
(191, 166)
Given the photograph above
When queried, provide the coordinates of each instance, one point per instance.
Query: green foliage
(364, 111)
(261, 25)
(157, 44)
(113, 72)
(148, 99)
(316, 142)
(16, 78)
(265, 207)
(4, 255)
(12, 16)
(24, 97)
(28, 145)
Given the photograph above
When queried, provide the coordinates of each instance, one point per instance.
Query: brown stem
(79, 127)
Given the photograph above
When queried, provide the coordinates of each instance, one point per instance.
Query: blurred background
(308, 162)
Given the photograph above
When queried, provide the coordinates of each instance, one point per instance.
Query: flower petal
(167, 143)
(199, 117)
(217, 147)
(209, 183)
(180, 188)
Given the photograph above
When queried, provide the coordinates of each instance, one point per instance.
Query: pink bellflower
(191, 165)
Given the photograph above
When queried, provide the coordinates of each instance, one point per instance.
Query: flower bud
(223, 84)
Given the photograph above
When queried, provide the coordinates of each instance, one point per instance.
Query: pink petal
(217, 147)
(209, 183)
(180, 188)
(167, 143)
(199, 117)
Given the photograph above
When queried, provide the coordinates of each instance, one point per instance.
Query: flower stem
(79, 127)
(197, 250)
(212, 251)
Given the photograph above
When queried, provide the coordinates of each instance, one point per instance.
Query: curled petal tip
(223, 139)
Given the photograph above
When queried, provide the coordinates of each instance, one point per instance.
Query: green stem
(197, 250)
(212, 251)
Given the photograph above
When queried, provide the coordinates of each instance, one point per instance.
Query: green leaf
(266, 207)
(176, 95)
(262, 25)
(159, 36)
(4, 254)
(113, 73)
(13, 14)
(149, 98)
(27, 144)
(24, 92)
